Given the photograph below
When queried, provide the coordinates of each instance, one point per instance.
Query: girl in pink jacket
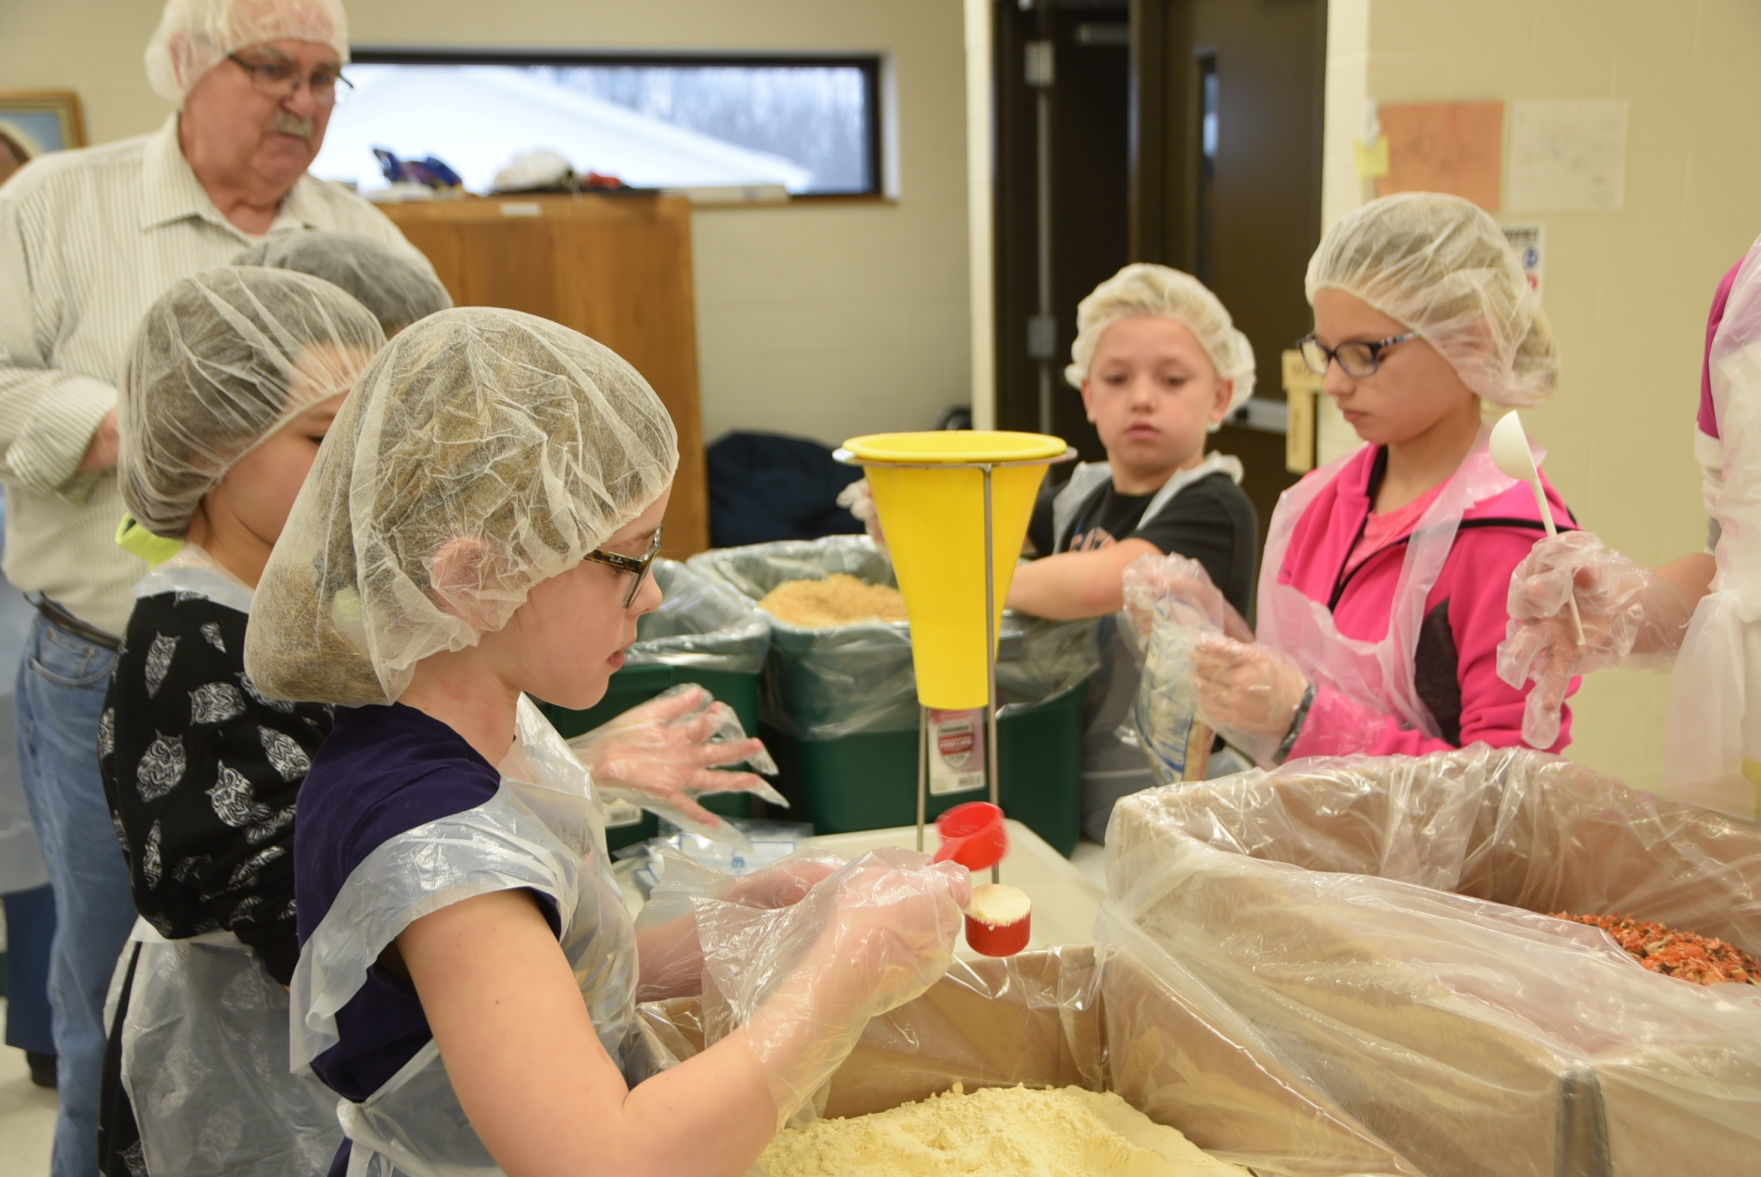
(1382, 591)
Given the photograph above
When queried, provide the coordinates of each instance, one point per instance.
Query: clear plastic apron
(1713, 742)
(542, 830)
(1112, 768)
(204, 1062)
(1378, 673)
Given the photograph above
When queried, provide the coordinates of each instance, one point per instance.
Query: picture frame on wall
(33, 122)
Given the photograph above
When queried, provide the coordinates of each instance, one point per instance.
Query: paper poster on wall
(1529, 242)
(1568, 156)
(1453, 147)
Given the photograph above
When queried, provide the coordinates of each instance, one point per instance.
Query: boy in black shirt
(1160, 364)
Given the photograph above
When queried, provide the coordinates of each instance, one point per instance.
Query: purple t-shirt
(384, 771)
(1708, 412)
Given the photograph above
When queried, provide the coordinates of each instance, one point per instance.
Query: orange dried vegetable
(1687, 956)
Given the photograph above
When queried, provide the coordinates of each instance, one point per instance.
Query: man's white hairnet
(396, 284)
(1143, 288)
(194, 36)
(220, 362)
(1442, 266)
(485, 451)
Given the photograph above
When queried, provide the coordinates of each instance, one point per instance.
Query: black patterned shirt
(201, 772)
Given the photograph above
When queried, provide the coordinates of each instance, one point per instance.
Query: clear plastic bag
(1382, 921)
(701, 624)
(830, 682)
(1125, 1018)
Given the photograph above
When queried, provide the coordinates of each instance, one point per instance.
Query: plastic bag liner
(1376, 919)
(700, 623)
(829, 682)
(1103, 1018)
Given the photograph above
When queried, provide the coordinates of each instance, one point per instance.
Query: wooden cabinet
(616, 268)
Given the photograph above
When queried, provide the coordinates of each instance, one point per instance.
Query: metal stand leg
(922, 769)
(990, 659)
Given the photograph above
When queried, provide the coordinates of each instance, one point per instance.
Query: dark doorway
(1186, 132)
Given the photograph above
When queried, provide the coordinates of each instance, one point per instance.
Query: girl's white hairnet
(194, 36)
(1143, 288)
(478, 430)
(1442, 266)
(220, 362)
(396, 284)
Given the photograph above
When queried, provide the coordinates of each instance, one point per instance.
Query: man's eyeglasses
(637, 566)
(282, 79)
(1356, 358)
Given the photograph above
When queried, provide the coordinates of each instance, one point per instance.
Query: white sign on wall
(1528, 241)
(1567, 156)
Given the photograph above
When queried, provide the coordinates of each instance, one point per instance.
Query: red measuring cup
(972, 835)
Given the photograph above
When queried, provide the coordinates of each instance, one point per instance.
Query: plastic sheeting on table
(1376, 919)
(828, 682)
(1122, 1018)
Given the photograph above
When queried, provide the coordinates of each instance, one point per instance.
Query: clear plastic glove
(1250, 695)
(1632, 617)
(665, 753)
(1177, 588)
(669, 952)
(857, 499)
(804, 980)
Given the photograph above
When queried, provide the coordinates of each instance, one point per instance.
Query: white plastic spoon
(1511, 454)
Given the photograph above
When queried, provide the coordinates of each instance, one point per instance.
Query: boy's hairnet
(1442, 266)
(396, 284)
(1143, 288)
(194, 36)
(220, 362)
(490, 446)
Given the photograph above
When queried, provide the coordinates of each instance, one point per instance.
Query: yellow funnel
(929, 491)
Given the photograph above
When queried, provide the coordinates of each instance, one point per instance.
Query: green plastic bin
(702, 633)
(868, 780)
(838, 705)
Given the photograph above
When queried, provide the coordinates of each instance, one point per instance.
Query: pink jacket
(1456, 661)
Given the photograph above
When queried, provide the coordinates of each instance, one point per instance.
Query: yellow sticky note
(1372, 158)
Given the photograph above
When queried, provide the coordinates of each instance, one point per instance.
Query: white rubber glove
(804, 980)
(1632, 617)
(857, 499)
(665, 753)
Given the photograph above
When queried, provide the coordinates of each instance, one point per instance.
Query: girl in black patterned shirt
(235, 376)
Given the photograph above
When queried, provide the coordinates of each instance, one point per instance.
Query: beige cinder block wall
(1627, 290)
(823, 321)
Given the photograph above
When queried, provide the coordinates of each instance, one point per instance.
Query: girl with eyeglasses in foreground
(1383, 586)
(473, 530)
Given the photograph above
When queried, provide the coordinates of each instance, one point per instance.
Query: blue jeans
(61, 685)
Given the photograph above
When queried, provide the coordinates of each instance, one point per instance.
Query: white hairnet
(1442, 266)
(396, 284)
(488, 430)
(1143, 288)
(220, 362)
(194, 36)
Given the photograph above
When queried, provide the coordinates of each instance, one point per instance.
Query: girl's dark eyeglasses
(637, 566)
(1356, 358)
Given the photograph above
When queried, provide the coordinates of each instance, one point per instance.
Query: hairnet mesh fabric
(396, 284)
(221, 361)
(1143, 288)
(485, 451)
(1442, 266)
(194, 36)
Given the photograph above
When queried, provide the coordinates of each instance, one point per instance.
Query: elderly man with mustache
(88, 240)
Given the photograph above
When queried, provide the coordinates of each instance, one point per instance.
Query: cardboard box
(1106, 1019)
(1377, 920)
